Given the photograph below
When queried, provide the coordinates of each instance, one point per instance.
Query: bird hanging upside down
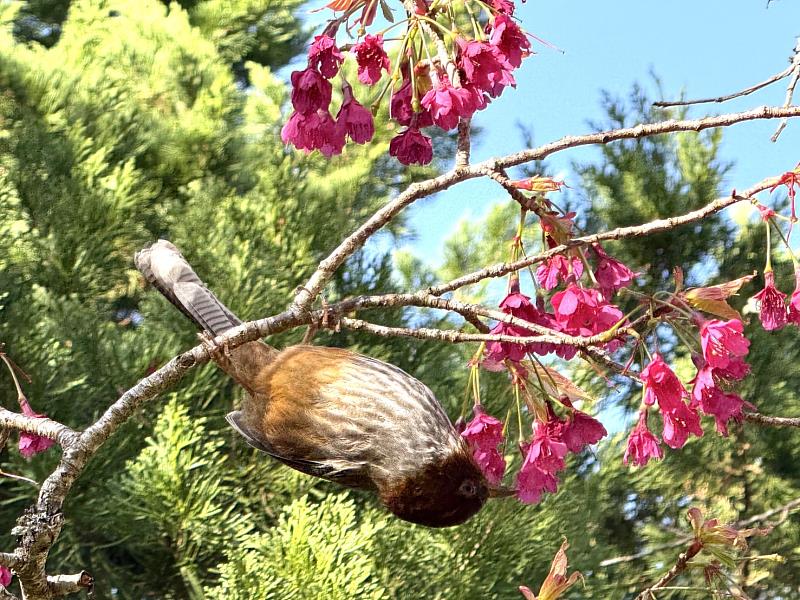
(335, 414)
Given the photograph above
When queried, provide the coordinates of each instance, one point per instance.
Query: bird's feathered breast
(352, 408)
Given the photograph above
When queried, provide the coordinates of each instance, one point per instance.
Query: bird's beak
(501, 492)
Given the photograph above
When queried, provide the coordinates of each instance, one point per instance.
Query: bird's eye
(468, 488)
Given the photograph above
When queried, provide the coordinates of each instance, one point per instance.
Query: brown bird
(335, 414)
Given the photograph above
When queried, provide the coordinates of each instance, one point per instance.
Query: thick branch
(41, 426)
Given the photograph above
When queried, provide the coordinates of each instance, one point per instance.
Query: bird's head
(446, 492)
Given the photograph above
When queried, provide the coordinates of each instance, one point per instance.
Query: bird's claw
(217, 352)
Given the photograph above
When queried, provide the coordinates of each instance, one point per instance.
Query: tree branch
(306, 294)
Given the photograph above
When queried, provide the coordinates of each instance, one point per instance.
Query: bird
(335, 414)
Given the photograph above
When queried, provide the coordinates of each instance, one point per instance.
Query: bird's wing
(341, 472)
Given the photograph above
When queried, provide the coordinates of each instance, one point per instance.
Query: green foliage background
(126, 120)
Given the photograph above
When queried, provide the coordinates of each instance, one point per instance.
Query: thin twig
(790, 89)
(679, 567)
(754, 88)
(619, 233)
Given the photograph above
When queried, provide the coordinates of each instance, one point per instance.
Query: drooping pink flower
(583, 312)
(794, 302)
(678, 424)
(371, 59)
(484, 67)
(642, 444)
(723, 407)
(5, 576)
(662, 385)
(315, 131)
(402, 109)
(483, 429)
(324, 54)
(483, 434)
(610, 273)
(498, 352)
(582, 430)
(330, 136)
(737, 369)
(295, 132)
(502, 6)
(310, 91)
(511, 42)
(491, 463)
(30, 443)
(447, 103)
(558, 268)
(546, 449)
(707, 396)
(518, 305)
(411, 147)
(723, 342)
(704, 382)
(355, 119)
(772, 304)
(532, 482)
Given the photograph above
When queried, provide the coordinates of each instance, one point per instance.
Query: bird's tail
(164, 267)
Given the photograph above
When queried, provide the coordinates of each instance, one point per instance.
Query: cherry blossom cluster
(582, 285)
(721, 363)
(774, 312)
(440, 74)
(575, 290)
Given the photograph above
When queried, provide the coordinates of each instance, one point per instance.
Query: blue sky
(702, 47)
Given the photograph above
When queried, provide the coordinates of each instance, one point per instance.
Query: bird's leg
(232, 362)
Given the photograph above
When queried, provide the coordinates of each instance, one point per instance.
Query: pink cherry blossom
(662, 385)
(679, 423)
(642, 444)
(518, 305)
(5, 576)
(723, 407)
(483, 434)
(30, 443)
(532, 482)
(484, 67)
(325, 55)
(511, 42)
(794, 302)
(582, 430)
(723, 342)
(583, 312)
(713, 401)
(371, 59)
(402, 111)
(315, 131)
(447, 103)
(610, 273)
(355, 119)
(411, 147)
(502, 6)
(294, 132)
(772, 304)
(310, 91)
(546, 449)
(558, 268)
